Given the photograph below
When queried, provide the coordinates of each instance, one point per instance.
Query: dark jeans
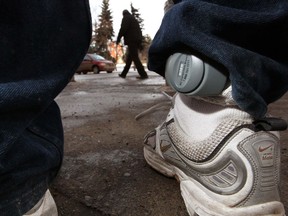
(41, 45)
(248, 38)
(132, 55)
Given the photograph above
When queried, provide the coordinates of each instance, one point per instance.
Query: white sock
(199, 118)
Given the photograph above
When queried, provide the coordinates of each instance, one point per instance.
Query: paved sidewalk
(104, 172)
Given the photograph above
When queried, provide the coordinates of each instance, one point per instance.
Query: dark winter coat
(130, 30)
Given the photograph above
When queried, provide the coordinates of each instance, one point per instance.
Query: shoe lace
(156, 106)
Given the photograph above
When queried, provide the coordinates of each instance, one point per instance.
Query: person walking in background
(220, 143)
(132, 34)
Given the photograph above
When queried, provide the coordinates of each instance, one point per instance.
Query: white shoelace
(155, 107)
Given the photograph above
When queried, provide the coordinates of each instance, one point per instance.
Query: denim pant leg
(41, 45)
(248, 38)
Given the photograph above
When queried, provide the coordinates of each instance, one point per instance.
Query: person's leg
(225, 153)
(34, 68)
(241, 37)
(135, 58)
(127, 64)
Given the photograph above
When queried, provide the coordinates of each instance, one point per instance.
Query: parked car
(95, 63)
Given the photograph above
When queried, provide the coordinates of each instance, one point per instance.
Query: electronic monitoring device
(190, 75)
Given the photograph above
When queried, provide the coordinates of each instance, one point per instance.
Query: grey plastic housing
(190, 75)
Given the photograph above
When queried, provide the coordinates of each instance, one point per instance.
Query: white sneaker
(227, 165)
(45, 207)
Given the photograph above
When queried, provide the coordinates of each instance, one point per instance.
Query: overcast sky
(151, 12)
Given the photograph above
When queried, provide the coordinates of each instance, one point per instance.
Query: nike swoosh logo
(261, 149)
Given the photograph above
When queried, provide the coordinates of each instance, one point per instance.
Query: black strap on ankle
(270, 124)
